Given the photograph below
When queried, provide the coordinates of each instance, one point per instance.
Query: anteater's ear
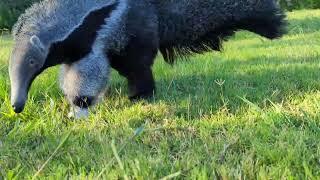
(36, 42)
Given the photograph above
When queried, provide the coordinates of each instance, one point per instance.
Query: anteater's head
(27, 61)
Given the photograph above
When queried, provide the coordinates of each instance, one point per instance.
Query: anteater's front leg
(135, 63)
(138, 71)
(141, 83)
(84, 83)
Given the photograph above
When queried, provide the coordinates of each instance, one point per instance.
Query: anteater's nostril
(17, 108)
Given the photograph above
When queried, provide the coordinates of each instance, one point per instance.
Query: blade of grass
(137, 132)
(116, 155)
(52, 155)
(171, 176)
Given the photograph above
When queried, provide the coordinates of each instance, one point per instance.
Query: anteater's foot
(142, 95)
(141, 85)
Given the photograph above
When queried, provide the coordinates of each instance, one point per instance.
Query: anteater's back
(195, 26)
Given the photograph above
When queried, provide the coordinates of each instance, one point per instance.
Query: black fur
(135, 61)
(79, 43)
(262, 23)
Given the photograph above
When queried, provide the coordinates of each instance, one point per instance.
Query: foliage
(11, 9)
(250, 112)
(299, 4)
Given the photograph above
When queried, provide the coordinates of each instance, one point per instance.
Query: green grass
(252, 111)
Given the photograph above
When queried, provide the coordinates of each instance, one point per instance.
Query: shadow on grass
(308, 39)
(258, 80)
(305, 25)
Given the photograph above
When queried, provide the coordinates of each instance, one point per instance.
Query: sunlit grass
(252, 111)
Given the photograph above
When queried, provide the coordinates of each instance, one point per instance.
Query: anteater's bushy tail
(271, 24)
(268, 22)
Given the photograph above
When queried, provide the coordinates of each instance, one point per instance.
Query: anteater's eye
(31, 62)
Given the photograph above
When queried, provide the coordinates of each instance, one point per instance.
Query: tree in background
(11, 9)
(299, 4)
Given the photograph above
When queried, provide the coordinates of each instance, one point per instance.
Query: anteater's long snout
(18, 98)
(20, 83)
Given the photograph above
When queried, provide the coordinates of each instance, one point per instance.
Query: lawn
(252, 111)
